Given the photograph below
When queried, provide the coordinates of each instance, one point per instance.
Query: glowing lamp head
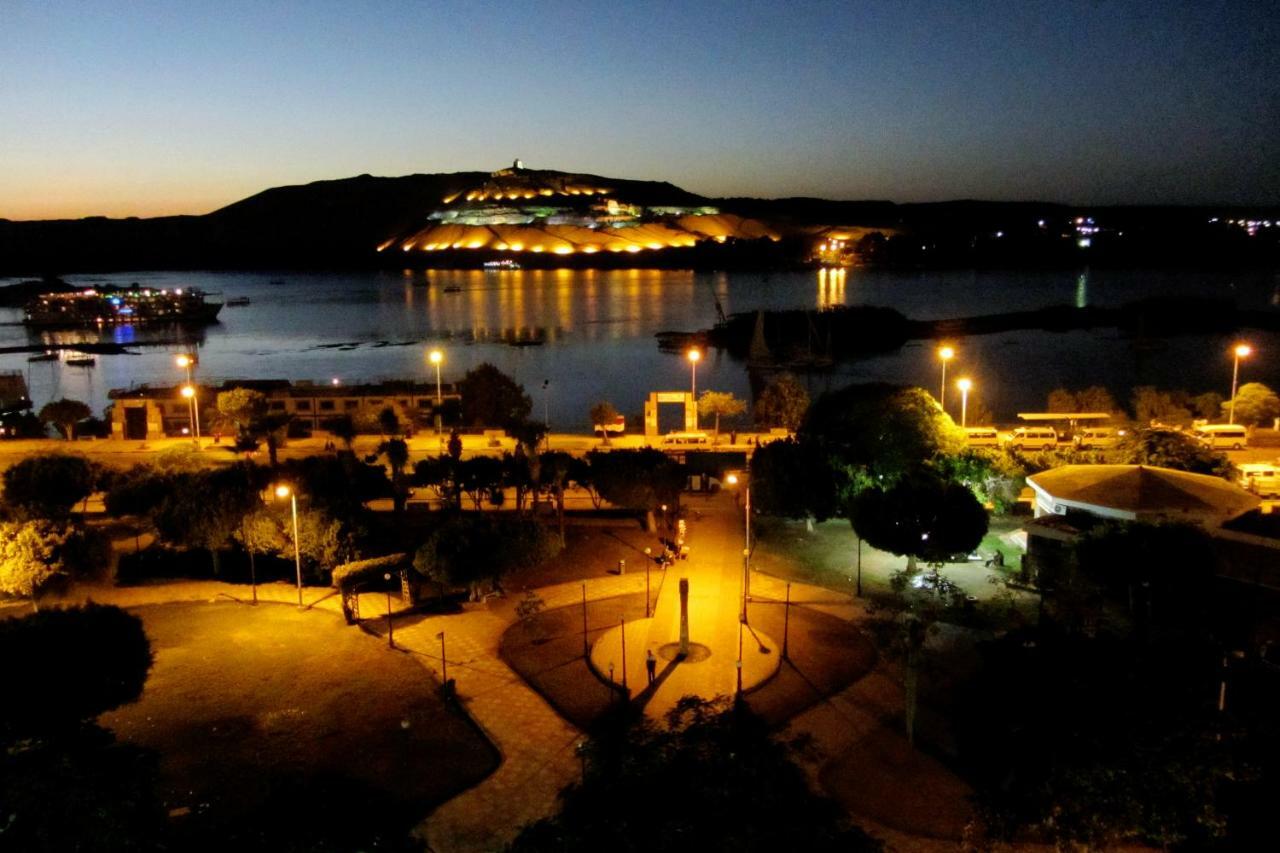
(1243, 350)
(946, 353)
(436, 356)
(732, 479)
(964, 385)
(188, 391)
(694, 356)
(184, 361)
(337, 381)
(282, 491)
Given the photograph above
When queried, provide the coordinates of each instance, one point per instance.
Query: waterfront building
(155, 411)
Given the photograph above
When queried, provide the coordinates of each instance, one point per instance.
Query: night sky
(181, 107)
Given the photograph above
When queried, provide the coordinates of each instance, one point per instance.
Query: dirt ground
(274, 723)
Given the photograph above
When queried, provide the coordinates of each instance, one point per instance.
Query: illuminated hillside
(540, 211)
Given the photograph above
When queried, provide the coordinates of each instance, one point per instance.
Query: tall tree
(480, 477)
(64, 414)
(705, 771)
(1255, 405)
(492, 398)
(554, 472)
(343, 428)
(641, 480)
(473, 550)
(1152, 406)
(243, 406)
(204, 510)
(783, 403)
(720, 403)
(49, 485)
(920, 516)
(1166, 448)
(396, 452)
(1061, 400)
(1095, 398)
(881, 432)
(603, 417)
(794, 479)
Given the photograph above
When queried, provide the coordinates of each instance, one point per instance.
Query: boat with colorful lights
(120, 307)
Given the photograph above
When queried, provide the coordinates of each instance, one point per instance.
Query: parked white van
(1261, 479)
(1034, 438)
(982, 436)
(1222, 435)
(1097, 437)
(681, 440)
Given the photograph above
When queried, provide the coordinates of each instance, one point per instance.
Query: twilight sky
(147, 108)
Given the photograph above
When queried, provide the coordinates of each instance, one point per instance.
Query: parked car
(1093, 438)
(1034, 438)
(1231, 436)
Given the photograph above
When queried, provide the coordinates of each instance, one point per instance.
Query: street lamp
(186, 362)
(964, 385)
(1240, 351)
(283, 491)
(945, 354)
(694, 357)
(435, 357)
(193, 410)
(732, 480)
(391, 631)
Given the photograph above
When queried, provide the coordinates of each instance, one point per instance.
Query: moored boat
(123, 307)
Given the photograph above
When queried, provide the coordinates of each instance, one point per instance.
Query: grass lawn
(547, 652)
(590, 552)
(274, 725)
(829, 555)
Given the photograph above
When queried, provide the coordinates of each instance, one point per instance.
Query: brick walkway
(537, 746)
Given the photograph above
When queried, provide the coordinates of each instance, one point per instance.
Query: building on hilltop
(519, 210)
(149, 411)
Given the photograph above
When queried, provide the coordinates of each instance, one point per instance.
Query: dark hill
(340, 223)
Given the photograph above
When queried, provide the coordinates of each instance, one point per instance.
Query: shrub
(65, 667)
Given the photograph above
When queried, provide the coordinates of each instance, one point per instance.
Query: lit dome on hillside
(542, 211)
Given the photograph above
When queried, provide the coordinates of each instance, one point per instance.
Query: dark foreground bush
(65, 667)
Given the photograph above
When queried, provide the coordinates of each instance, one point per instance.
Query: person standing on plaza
(651, 665)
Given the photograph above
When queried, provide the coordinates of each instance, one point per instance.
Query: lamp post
(283, 491)
(648, 561)
(1240, 351)
(546, 409)
(945, 354)
(391, 632)
(964, 385)
(189, 394)
(189, 391)
(435, 357)
(732, 480)
(694, 357)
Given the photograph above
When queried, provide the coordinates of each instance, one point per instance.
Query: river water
(597, 329)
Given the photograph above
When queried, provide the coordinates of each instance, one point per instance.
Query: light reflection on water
(596, 331)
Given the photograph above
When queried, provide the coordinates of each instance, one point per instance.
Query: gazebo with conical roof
(1139, 493)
